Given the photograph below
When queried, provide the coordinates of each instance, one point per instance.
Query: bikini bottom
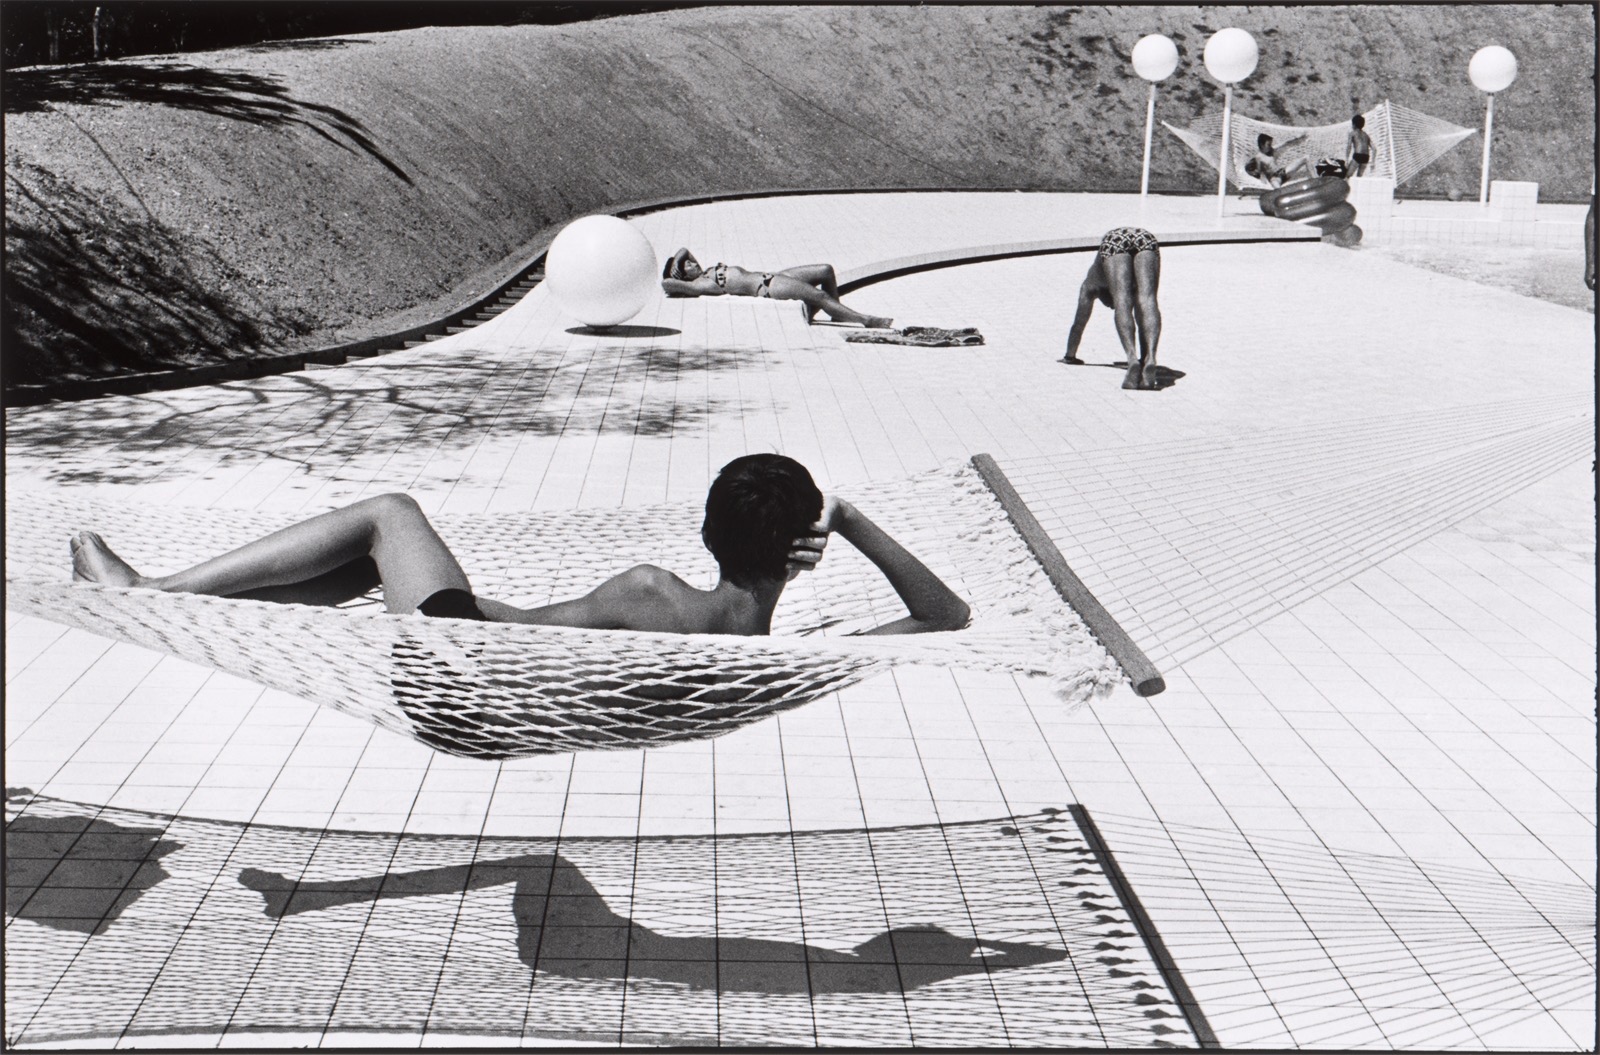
(1131, 240)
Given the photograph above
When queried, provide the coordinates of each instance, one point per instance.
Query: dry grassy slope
(404, 171)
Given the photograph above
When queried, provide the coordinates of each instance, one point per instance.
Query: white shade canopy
(1155, 57)
(1231, 55)
(1492, 69)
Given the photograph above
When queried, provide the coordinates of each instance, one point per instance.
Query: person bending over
(765, 522)
(1267, 166)
(814, 285)
(1124, 276)
(1357, 147)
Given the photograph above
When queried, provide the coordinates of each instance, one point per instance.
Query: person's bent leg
(412, 561)
(787, 287)
(1118, 268)
(820, 275)
(1147, 281)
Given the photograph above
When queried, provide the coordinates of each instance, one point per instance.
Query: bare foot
(875, 322)
(1152, 376)
(1070, 360)
(93, 561)
(808, 311)
(1131, 379)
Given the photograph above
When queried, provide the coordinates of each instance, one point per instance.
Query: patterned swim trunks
(1128, 240)
(765, 289)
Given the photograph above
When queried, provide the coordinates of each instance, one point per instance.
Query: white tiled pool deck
(1356, 535)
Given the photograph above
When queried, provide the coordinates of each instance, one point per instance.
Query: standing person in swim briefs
(1357, 147)
(1124, 276)
(816, 286)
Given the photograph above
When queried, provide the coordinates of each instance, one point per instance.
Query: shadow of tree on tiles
(92, 288)
(235, 95)
(355, 421)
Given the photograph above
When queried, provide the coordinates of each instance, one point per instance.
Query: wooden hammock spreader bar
(1146, 680)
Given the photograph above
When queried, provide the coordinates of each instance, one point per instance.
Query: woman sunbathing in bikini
(814, 285)
(765, 522)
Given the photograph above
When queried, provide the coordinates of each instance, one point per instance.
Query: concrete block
(1373, 197)
(1513, 192)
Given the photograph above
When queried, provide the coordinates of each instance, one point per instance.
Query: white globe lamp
(1492, 70)
(1231, 56)
(1154, 59)
(601, 270)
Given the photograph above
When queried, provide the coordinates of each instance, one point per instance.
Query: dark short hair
(757, 506)
(1358, 121)
(673, 268)
(1263, 139)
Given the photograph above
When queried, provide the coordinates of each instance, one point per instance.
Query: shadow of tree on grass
(309, 44)
(232, 94)
(92, 289)
(324, 422)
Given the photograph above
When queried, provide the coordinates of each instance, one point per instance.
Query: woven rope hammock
(1404, 141)
(498, 690)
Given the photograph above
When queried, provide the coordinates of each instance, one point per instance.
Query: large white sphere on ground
(1231, 55)
(601, 270)
(1492, 69)
(1155, 57)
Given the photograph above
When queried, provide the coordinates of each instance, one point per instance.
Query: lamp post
(1492, 69)
(1231, 56)
(1154, 59)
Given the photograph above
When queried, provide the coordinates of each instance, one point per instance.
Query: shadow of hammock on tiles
(498, 690)
(1018, 930)
(1189, 545)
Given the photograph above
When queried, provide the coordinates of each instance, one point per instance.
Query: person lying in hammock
(814, 285)
(765, 523)
(1267, 164)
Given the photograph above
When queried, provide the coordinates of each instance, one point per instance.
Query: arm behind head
(672, 277)
(674, 263)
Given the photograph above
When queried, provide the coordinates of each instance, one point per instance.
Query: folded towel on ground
(922, 336)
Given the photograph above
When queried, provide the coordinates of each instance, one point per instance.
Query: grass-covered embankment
(183, 210)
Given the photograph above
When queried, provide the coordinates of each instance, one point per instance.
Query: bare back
(654, 600)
